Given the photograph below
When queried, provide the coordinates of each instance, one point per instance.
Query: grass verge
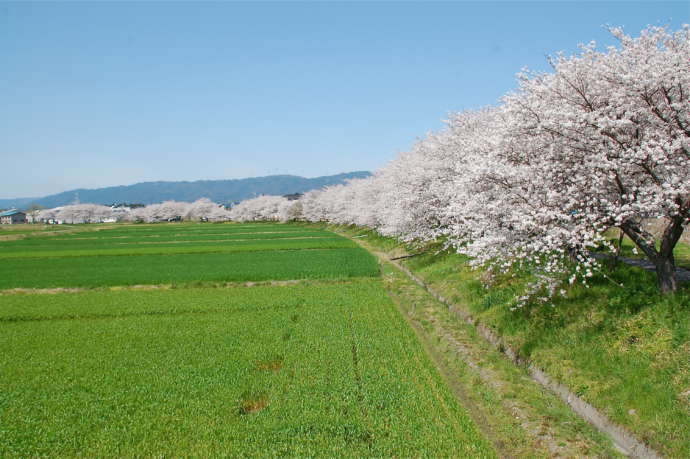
(519, 417)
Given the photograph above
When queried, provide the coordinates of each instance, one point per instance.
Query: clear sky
(112, 93)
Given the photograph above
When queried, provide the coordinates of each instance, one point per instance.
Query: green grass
(60, 249)
(520, 418)
(187, 268)
(324, 370)
(164, 229)
(119, 236)
(117, 233)
(170, 239)
(40, 231)
(625, 349)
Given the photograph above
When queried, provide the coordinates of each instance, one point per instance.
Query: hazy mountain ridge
(222, 191)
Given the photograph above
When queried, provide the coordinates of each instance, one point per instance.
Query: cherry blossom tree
(218, 214)
(138, 214)
(313, 206)
(265, 208)
(204, 208)
(82, 213)
(607, 138)
(47, 215)
(160, 212)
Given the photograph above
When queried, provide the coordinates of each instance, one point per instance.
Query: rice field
(323, 366)
(179, 254)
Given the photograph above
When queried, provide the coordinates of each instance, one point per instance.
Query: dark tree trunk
(619, 248)
(663, 258)
(666, 264)
(666, 274)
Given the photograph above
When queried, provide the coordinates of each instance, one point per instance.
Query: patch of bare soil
(274, 364)
(253, 403)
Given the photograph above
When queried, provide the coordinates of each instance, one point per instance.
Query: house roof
(9, 213)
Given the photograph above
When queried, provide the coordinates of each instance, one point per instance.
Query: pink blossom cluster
(75, 213)
(200, 209)
(266, 208)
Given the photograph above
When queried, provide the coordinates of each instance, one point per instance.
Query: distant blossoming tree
(265, 208)
(204, 208)
(82, 213)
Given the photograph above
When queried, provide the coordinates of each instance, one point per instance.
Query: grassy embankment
(324, 367)
(520, 418)
(626, 350)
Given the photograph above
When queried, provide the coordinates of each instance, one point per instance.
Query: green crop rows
(186, 268)
(323, 367)
(301, 370)
(164, 248)
(179, 254)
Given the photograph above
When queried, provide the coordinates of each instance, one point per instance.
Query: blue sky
(109, 93)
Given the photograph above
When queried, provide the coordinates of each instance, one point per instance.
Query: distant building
(12, 217)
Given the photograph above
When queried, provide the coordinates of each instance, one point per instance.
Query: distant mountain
(222, 191)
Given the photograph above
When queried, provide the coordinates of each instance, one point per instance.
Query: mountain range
(221, 191)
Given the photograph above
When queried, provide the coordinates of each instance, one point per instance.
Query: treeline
(273, 208)
(201, 209)
(601, 142)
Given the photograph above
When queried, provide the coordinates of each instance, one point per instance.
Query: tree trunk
(665, 263)
(666, 274)
(619, 248)
(663, 259)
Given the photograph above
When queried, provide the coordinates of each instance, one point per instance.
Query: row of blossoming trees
(269, 208)
(602, 141)
(169, 210)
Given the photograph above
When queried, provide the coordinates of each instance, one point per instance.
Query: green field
(185, 239)
(98, 271)
(326, 366)
(182, 254)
